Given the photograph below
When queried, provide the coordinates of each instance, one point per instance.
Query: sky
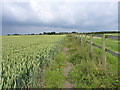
(37, 17)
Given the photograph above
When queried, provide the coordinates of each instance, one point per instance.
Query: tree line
(74, 32)
(46, 33)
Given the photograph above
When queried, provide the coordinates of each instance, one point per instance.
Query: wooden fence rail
(103, 47)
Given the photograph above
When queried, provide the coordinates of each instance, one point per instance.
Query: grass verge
(87, 72)
(54, 77)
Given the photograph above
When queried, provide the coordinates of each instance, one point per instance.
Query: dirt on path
(66, 70)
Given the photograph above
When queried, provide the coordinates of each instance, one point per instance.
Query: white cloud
(82, 15)
(61, 0)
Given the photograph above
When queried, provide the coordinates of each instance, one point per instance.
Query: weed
(60, 58)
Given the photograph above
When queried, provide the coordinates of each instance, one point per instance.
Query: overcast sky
(37, 17)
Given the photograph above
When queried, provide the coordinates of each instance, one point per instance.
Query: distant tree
(52, 33)
(40, 33)
(63, 33)
(8, 34)
(16, 34)
(32, 34)
(44, 33)
(74, 32)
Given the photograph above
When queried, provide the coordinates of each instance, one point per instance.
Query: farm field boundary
(103, 47)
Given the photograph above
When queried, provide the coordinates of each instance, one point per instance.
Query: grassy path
(57, 77)
(66, 70)
(78, 70)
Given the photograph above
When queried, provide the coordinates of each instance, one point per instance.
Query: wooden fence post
(103, 52)
(91, 45)
(82, 39)
(85, 36)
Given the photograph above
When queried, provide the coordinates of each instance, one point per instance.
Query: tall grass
(54, 77)
(87, 72)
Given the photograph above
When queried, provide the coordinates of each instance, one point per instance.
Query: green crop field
(23, 56)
